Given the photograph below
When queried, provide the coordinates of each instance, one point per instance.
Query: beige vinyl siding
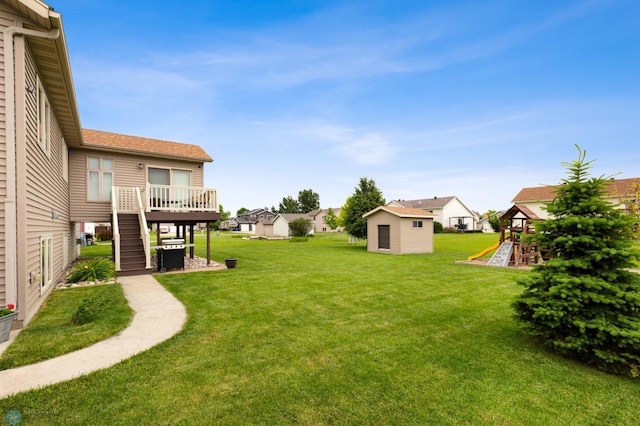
(396, 233)
(416, 240)
(383, 218)
(5, 21)
(47, 194)
(404, 238)
(126, 173)
(3, 155)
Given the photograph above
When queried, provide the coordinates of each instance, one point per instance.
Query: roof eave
(59, 82)
(103, 148)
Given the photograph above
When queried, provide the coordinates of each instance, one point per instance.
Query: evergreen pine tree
(583, 302)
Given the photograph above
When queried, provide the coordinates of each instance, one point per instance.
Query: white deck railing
(181, 198)
(144, 230)
(158, 198)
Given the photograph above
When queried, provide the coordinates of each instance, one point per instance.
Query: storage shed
(399, 230)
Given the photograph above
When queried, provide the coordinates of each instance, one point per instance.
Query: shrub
(97, 269)
(437, 227)
(300, 227)
(104, 235)
(90, 308)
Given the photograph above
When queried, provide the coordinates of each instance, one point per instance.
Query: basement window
(46, 261)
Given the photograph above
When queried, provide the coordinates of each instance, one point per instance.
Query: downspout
(10, 208)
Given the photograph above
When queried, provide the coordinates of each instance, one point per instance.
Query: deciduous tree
(224, 216)
(289, 205)
(365, 198)
(308, 201)
(332, 220)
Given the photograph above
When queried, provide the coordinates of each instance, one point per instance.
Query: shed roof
(402, 212)
(547, 193)
(117, 142)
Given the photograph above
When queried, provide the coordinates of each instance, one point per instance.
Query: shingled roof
(402, 212)
(547, 193)
(426, 203)
(290, 217)
(125, 143)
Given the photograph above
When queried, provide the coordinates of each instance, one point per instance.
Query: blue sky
(476, 99)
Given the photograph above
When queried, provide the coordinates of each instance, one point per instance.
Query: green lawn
(51, 332)
(325, 333)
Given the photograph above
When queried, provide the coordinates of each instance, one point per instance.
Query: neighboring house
(449, 211)
(318, 217)
(245, 225)
(224, 225)
(620, 191)
(247, 222)
(399, 230)
(282, 220)
(55, 176)
(484, 225)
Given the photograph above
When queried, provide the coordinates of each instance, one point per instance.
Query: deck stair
(132, 255)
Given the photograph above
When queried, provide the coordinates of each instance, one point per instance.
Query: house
(282, 220)
(54, 175)
(318, 217)
(484, 225)
(449, 211)
(136, 183)
(621, 191)
(399, 230)
(247, 222)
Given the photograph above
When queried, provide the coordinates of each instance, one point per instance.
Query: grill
(171, 254)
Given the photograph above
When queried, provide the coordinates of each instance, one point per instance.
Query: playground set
(514, 248)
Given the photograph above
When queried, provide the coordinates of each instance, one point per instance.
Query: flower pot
(231, 262)
(5, 326)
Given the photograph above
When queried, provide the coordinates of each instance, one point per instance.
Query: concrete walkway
(158, 315)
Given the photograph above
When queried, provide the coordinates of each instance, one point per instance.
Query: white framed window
(178, 179)
(46, 261)
(65, 161)
(99, 178)
(173, 177)
(44, 119)
(417, 224)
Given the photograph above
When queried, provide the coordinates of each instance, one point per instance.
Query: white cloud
(369, 149)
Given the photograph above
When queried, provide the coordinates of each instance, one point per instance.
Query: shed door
(384, 238)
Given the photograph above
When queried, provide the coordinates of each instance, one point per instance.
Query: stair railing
(116, 229)
(144, 231)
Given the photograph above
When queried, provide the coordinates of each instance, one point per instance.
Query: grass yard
(325, 333)
(101, 249)
(51, 332)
